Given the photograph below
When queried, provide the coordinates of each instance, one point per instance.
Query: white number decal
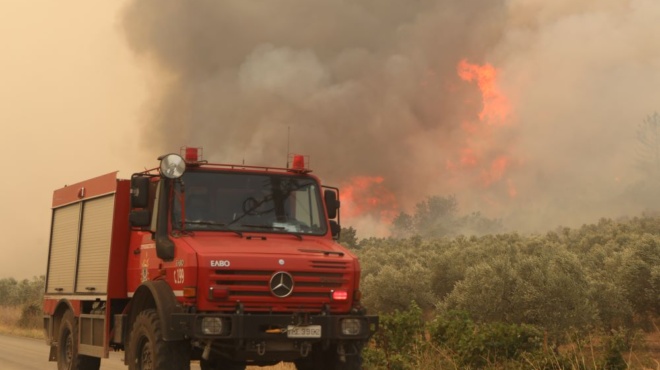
(179, 276)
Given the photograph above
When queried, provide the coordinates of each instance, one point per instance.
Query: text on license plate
(310, 331)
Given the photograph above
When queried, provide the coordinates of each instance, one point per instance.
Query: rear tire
(147, 350)
(67, 347)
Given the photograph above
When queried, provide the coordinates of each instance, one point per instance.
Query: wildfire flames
(368, 195)
(480, 159)
(496, 108)
(479, 154)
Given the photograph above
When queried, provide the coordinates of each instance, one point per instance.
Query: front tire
(147, 350)
(67, 347)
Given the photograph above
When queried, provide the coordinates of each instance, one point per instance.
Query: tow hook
(301, 319)
(207, 351)
(305, 348)
(261, 348)
(341, 351)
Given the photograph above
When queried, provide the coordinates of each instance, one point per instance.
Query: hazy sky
(70, 97)
(369, 89)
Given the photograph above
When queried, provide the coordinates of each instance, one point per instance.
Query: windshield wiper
(212, 223)
(271, 227)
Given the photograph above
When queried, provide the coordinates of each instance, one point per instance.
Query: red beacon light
(191, 154)
(298, 163)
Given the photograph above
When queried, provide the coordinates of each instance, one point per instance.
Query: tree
(347, 237)
(648, 154)
(15, 293)
(8, 292)
(437, 217)
(528, 281)
(394, 287)
(638, 272)
(403, 225)
(434, 217)
(645, 191)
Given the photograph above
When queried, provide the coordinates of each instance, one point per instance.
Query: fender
(54, 310)
(158, 295)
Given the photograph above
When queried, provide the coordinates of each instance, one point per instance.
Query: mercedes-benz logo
(281, 284)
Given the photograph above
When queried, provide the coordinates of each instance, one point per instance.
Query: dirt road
(19, 353)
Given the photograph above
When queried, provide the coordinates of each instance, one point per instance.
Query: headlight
(172, 166)
(212, 325)
(351, 326)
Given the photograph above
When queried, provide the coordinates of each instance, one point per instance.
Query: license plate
(311, 331)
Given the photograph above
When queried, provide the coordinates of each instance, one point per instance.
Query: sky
(526, 110)
(70, 98)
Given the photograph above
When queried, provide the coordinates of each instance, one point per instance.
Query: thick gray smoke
(370, 89)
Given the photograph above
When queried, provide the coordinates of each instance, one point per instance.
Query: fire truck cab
(228, 265)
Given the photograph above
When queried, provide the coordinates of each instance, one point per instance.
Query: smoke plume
(374, 89)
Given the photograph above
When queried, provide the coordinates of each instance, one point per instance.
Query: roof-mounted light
(191, 154)
(172, 166)
(299, 163)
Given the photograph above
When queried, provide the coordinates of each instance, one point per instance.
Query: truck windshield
(244, 202)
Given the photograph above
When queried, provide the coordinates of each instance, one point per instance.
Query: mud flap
(53, 353)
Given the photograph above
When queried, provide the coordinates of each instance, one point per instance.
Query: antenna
(288, 141)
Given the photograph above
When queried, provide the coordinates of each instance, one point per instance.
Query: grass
(9, 318)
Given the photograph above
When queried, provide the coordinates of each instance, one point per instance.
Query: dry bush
(9, 316)
(9, 319)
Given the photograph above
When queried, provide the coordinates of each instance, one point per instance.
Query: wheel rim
(145, 356)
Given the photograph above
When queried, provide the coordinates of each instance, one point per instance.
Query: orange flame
(496, 107)
(479, 156)
(368, 195)
(496, 171)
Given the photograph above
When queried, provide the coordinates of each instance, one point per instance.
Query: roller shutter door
(63, 249)
(95, 240)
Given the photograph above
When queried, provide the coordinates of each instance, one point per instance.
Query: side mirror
(140, 218)
(139, 192)
(335, 229)
(140, 215)
(331, 203)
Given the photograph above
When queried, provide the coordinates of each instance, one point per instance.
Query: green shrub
(399, 338)
(614, 357)
(481, 344)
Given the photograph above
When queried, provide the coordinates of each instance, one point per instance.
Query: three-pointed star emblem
(281, 284)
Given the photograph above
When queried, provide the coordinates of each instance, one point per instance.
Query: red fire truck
(231, 265)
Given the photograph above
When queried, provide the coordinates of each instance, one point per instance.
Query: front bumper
(273, 327)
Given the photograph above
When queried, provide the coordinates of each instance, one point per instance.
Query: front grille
(312, 288)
